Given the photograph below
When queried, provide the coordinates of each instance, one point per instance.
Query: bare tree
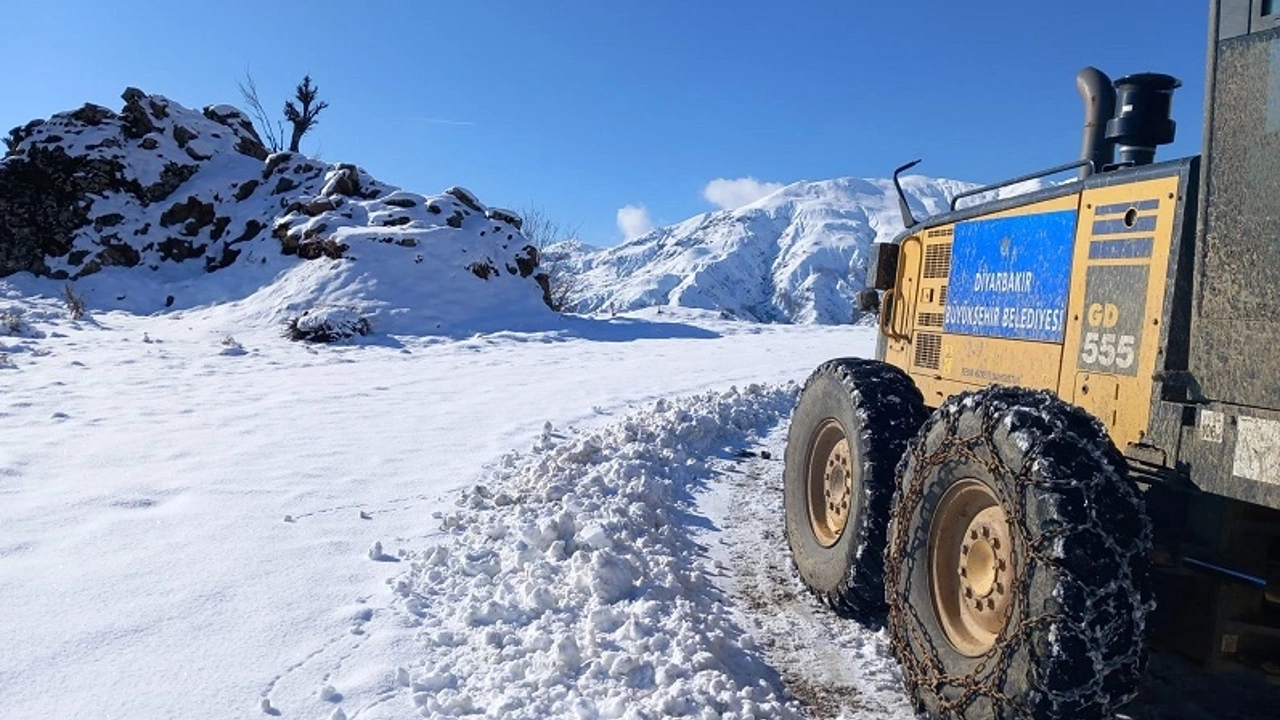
(273, 134)
(563, 286)
(303, 116)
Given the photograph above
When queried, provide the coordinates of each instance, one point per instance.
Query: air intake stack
(1143, 122)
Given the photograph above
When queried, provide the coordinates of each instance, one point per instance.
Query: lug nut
(973, 534)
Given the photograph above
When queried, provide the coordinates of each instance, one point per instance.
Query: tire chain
(904, 619)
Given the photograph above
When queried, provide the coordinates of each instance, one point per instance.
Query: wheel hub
(971, 567)
(830, 486)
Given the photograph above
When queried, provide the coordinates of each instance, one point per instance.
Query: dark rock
(19, 135)
(319, 205)
(179, 249)
(507, 216)
(91, 114)
(401, 202)
(190, 210)
(149, 143)
(454, 220)
(396, 221)
(137, 121)
(159, 108)
(168, 301)
(171, 178)
(106, 221)
(483, 269)
(317, 249)
(466, 197)
(434, 209)
(249, 143)
(219, 227)
(280, 229)
(284, 185)
(77, 256)
(183, 135)
(228, 256)
(407, 242)
(346, 181)
(40, 208)
(252, 147)
(196, 154)
(274, 162)
(251, 229)
(246, 189)
(527, 260)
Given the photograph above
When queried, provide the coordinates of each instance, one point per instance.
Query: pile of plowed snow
(570, 586)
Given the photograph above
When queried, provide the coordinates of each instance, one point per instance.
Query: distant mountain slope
(161, 206)
(798, 255)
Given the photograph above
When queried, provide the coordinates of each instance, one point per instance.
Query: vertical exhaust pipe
(1099, 107)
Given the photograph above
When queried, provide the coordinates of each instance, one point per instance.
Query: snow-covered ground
(201, 519)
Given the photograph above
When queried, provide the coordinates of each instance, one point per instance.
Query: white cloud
(633, 221)
(731, 194)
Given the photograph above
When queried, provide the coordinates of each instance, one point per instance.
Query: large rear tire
(849, 429)
(1018, 563)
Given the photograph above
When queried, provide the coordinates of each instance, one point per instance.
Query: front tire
(848, 431)
(1018, 562)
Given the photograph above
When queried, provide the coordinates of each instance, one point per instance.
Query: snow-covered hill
(798, 255)
(163, 207)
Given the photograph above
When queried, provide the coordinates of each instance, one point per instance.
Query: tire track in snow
(836, 667)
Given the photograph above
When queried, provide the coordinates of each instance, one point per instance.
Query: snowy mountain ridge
(798, 255)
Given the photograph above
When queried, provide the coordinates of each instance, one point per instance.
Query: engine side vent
(942, 296)
(928, 350)
(940, 233)
(929, 319)
(937, 260)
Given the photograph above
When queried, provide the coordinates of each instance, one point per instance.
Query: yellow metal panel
(1114, 309)
(897, 325)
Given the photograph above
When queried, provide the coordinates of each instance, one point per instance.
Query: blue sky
(585, 107)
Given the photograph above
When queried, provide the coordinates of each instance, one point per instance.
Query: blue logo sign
(1010, 276)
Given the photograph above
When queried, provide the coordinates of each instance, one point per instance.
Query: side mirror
(867, 301)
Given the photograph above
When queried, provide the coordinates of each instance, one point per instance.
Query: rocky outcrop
(159, 184)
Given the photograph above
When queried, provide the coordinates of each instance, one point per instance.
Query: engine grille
(937, 260)
(929, 319)
(928, 350)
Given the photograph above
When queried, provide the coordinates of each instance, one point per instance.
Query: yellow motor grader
(1069, 443)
